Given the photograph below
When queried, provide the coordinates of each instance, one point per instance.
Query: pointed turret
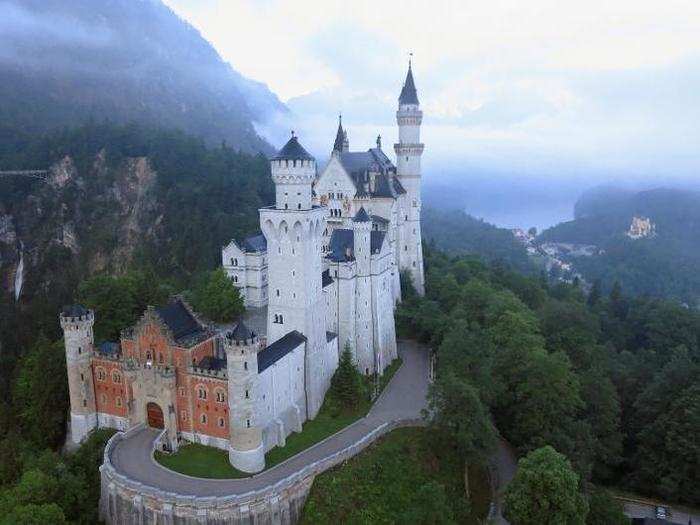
(339, 136)
(408, 92)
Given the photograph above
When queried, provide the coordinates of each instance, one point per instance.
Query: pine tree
(595, 293)
(346, 381)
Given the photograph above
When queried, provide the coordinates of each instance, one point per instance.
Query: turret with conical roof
(245, 441)
(293, 172)
(341, 143)
(409, 150)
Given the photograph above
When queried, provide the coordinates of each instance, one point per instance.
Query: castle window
(278, 292)
(80, 350)
(116, 377)
(299, 206)
(235, 278)
(281, 319)
(182, 391)
(286, 206)
(405, 248)
(118, 401)
(245, 365)
(247, 423)
(222, 423)
(201, 392)
(101, 374)
(220, 396)
(203, 419)
(183, 415)
(84, 402)
(247, 395)
(103, 399)
(82, 377)
(148, 355)
(414, 264)
(406, 218)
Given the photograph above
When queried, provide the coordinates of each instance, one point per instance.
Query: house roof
(408, 92)
(109, 348)
(292, 150)
(269, 355)
(241, 333)
(255, 243)
(326, 278)
(179, 320)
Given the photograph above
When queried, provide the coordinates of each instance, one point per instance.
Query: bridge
(32, 174)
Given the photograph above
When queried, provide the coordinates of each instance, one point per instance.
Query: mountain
(648, 241)
(63, 63)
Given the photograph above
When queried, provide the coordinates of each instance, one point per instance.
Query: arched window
(247, 394)
(281, 319)
(235, 278)
(101, 374)
(220, 396)
(222, 422)
(203, 419)
(116, 377)
(201, 392)
(247, 423)
(118, 401)
(298, 206)
(245, 365)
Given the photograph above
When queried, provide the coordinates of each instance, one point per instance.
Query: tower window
(201, 392)
(221, 422)
(235, 277)
(278, 292)
(247, 423)
(247, 394)
(245, 365)
(118, 401)
(220, 396)
(82, 377)
(203, 419)
(299, 206)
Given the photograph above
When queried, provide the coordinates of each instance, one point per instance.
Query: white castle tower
(364, 327)
(408, 155)
(246, 451)
(293, 229)
(76, 323)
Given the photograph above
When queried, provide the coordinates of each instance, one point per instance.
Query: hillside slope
(63, 63)
(649, 241)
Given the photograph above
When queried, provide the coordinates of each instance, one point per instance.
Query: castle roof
(269, 355)
(180, 321)
(109, 348)
(241, 333)
(339, 136)
(211, 363)
(408, 92)
(292, 150)
(342, 244)
(361, 216)
(255, 243)
(379, 219)
(74, 310)
(359, 165)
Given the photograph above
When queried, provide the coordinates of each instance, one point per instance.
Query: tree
(605, 510)
(458, 416)
(430, 507)
(545, 491)
(346, 382)
(217, 298)
(595, 294)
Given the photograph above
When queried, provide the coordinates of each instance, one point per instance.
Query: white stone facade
(246, 266)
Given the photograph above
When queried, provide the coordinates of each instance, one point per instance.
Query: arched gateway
(154, 416)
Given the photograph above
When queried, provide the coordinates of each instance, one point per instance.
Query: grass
(402, 478)
(200, 461)
(209, 462)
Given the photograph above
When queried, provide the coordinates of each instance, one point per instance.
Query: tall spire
(408, 92)
(340, 136)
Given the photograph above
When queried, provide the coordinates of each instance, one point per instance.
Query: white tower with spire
(408, 154)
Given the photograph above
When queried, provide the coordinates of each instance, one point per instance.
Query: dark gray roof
(292, 150)
(359, 164)
(330, 336)
(361, 216)
(339, 136)
(241, 333)
(255, 243)
(376, 241)
(74, 310)
(179, 320)
(280, 348)
(211, 363)
(109, 348)
(342, 244)
(408, 92)
(326, 278)
(379, 219)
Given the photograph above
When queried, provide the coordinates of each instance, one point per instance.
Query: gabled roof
(408, 92)
(292, 150)
(179, 320)
(255, 243)
(361, 216)
(269, 355)
(359, 164)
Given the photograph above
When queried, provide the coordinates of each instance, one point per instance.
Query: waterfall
(19, 274)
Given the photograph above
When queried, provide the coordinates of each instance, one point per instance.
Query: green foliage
(605, 510)
(346, 383)
(217, 298)
(402, 478)
(545, 491)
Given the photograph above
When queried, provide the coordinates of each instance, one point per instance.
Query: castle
(324, 271)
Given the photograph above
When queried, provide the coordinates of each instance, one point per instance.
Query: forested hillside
(62, 63)
(661, 263)
(609, 381)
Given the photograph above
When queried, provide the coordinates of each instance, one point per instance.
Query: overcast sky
(544, 87)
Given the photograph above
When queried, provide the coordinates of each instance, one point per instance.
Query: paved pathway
(403, 398)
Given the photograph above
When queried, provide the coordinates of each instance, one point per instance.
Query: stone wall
(127, 502)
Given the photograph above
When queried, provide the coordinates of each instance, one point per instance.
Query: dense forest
(660, 265)
(609, 381)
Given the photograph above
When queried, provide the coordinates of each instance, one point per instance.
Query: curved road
(403, 398)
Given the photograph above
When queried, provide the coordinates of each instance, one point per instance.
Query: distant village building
(326, 269)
